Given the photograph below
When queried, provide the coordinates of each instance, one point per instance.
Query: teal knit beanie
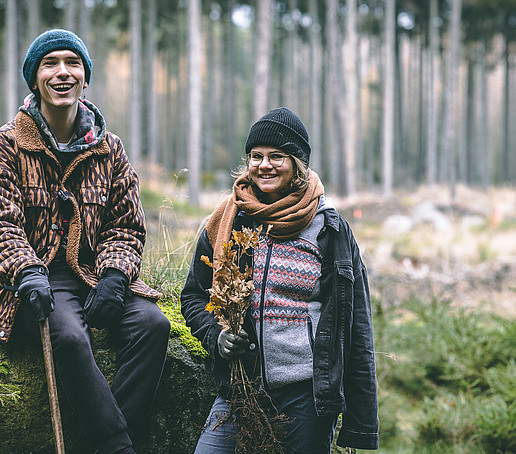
(49, 41)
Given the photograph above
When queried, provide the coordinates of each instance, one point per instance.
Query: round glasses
(275, 159)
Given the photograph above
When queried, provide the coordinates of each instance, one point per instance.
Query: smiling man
(73, 232)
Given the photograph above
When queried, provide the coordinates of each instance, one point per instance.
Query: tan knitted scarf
(288, 216)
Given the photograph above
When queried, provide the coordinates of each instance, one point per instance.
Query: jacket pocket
(344, 307)
(93, 203)
(37, 218)
(344, 284)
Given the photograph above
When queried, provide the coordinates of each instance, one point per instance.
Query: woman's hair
(299, 181)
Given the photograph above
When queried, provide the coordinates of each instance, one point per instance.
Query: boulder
(178, 413)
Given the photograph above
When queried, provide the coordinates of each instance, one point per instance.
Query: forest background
(408, 104)
(394, 93)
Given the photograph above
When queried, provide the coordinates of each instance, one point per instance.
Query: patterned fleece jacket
(106, 222)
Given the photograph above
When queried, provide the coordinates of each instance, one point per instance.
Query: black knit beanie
(283, 129)
(49, 41)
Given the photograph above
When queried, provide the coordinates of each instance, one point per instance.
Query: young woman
(308, 333)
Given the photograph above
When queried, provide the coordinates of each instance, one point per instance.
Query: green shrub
(437, 346)
(484, 424)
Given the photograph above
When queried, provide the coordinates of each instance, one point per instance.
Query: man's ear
(85, 85)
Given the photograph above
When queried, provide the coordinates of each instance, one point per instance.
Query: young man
(72, 237)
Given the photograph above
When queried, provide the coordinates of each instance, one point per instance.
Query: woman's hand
(232, 346)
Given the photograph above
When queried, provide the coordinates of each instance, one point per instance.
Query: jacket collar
(28, 136)
(331, 219)
(89, 130)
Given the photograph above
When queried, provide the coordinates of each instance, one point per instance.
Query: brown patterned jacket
(107, 227)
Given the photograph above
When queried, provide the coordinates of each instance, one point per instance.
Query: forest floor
(425, 244)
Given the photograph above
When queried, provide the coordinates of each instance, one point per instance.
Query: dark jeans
(112, 415)
(307, 433)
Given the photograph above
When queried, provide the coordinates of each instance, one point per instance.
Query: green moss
(181, 332)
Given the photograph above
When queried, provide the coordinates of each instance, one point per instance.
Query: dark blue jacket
(344, 363)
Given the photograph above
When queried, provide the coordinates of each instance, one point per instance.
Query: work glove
(231, 345)
(106, 301)
(34, 290)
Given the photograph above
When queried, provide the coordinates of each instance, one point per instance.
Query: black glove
(106, 301)
(34, 289)
(231, 345)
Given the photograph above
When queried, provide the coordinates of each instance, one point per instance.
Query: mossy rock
(178, 413)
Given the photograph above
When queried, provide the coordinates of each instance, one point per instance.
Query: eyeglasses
(275, 159)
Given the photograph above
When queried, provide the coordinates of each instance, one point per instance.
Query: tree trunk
(471, 124)
(152, 104)
(450, 92)
(431, 157)
(289, 89)
(71, 15)
(263, 43)
(420, 164)
(11, 53)
(84, 23)
(34, 16)
(194, 104)
(388, 98)
(336, 99)
(135, 95)
(315, 88)
(229, 86)
(483, 130)
(211, 108)
(352, 95)
(506, 173)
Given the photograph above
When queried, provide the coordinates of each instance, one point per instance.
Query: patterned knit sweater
(285, 303)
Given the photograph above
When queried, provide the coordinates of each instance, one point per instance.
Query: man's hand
(106, 301)
(232, 346)
(34, 290)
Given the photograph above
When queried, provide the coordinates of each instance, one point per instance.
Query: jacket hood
(90, 126)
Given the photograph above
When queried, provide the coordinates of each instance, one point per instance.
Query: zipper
(310, 332)
(262, 303)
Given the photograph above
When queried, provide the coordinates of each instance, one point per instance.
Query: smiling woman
(310, 292)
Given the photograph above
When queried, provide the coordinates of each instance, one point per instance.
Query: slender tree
(483, 130)
(315, 87)
(135, 95)
(211, 92)
(194, 101)
(352, 94)
(450, 93)
(506, 152)
(337, 97)
(34, 16)
(262, 62)
(388, 98)
(152, 105)
(11, 53)
(432, 90)
(71, 15)
(230, 71)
